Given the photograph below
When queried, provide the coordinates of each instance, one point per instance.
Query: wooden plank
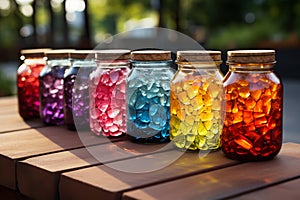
(19, 145)
(107, 183)
(7, 109)
(7, 101)
(227, 182)
(38, 177)
(8, 194)
(12, 121)
(287, 190)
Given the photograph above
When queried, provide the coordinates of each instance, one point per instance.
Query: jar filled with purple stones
(148, 96)
(254, 94)
(76, 89)
(51, 86)
(28, 82)
(107, 93)
(196, 101)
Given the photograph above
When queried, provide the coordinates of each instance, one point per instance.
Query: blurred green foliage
(216, 24)
(6, 85)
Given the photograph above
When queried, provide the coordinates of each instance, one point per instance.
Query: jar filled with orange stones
(196, 100)
(252, 128)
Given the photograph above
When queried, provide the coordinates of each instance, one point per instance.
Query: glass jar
(148, 96)
(51, 86)
(107, 93)
(253, 119)
(28, 82)
(76, 89)
(196, 101)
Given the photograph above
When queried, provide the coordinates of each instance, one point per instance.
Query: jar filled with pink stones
(28, 82)
(107, 86)
(51, 86)
(76, 89)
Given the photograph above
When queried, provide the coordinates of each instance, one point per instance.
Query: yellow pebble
(208, 125)
(189, 120)
(206, 116)
(183, 98)
(179, 141)
(216, 105)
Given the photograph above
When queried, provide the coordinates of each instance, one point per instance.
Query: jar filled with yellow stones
(196, 99)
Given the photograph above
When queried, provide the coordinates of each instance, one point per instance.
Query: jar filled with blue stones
(148, 96)
(51, 86)
(76, 89)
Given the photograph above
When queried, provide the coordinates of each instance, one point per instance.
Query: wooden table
(39, 162)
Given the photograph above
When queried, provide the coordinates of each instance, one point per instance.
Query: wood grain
(107, 183)
(38, 177)
(20, 145)
(227, 182)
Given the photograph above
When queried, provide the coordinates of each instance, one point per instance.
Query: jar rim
(34, 53)
(150, 55)
(251, 57)
(112, 54)
(58, 53)
(199, 56)
(83, 54)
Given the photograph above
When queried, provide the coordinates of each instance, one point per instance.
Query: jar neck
(56, 62)
(30, 61)
(251, 67)
(112, 63)
(84, 63)
(198, 65)
(151, 64)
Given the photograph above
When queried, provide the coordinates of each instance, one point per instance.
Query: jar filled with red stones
(195, 101)
(76, 89)
(28, 82)
(107, 87)
(51, 86)
(253, 119)
(148, 96)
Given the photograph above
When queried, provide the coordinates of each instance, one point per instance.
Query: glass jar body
(76, 94)
(253, 116)
(52, 92)
(196, 100)
(107, 88)
(28, 87)
(148, 101)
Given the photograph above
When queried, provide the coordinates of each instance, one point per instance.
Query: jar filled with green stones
(196, 99)
(148, 96)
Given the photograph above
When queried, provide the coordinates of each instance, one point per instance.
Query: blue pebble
(140, 124)
(132, 113)
(155, 126)
(153, 109)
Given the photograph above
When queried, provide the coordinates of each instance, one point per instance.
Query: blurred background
(215, 24)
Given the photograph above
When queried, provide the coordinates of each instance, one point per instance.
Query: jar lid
(199, 56)
(34, 53)
(251, 56)
(151, 55)
(59, 53)
(112, 54)
(83, 54)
